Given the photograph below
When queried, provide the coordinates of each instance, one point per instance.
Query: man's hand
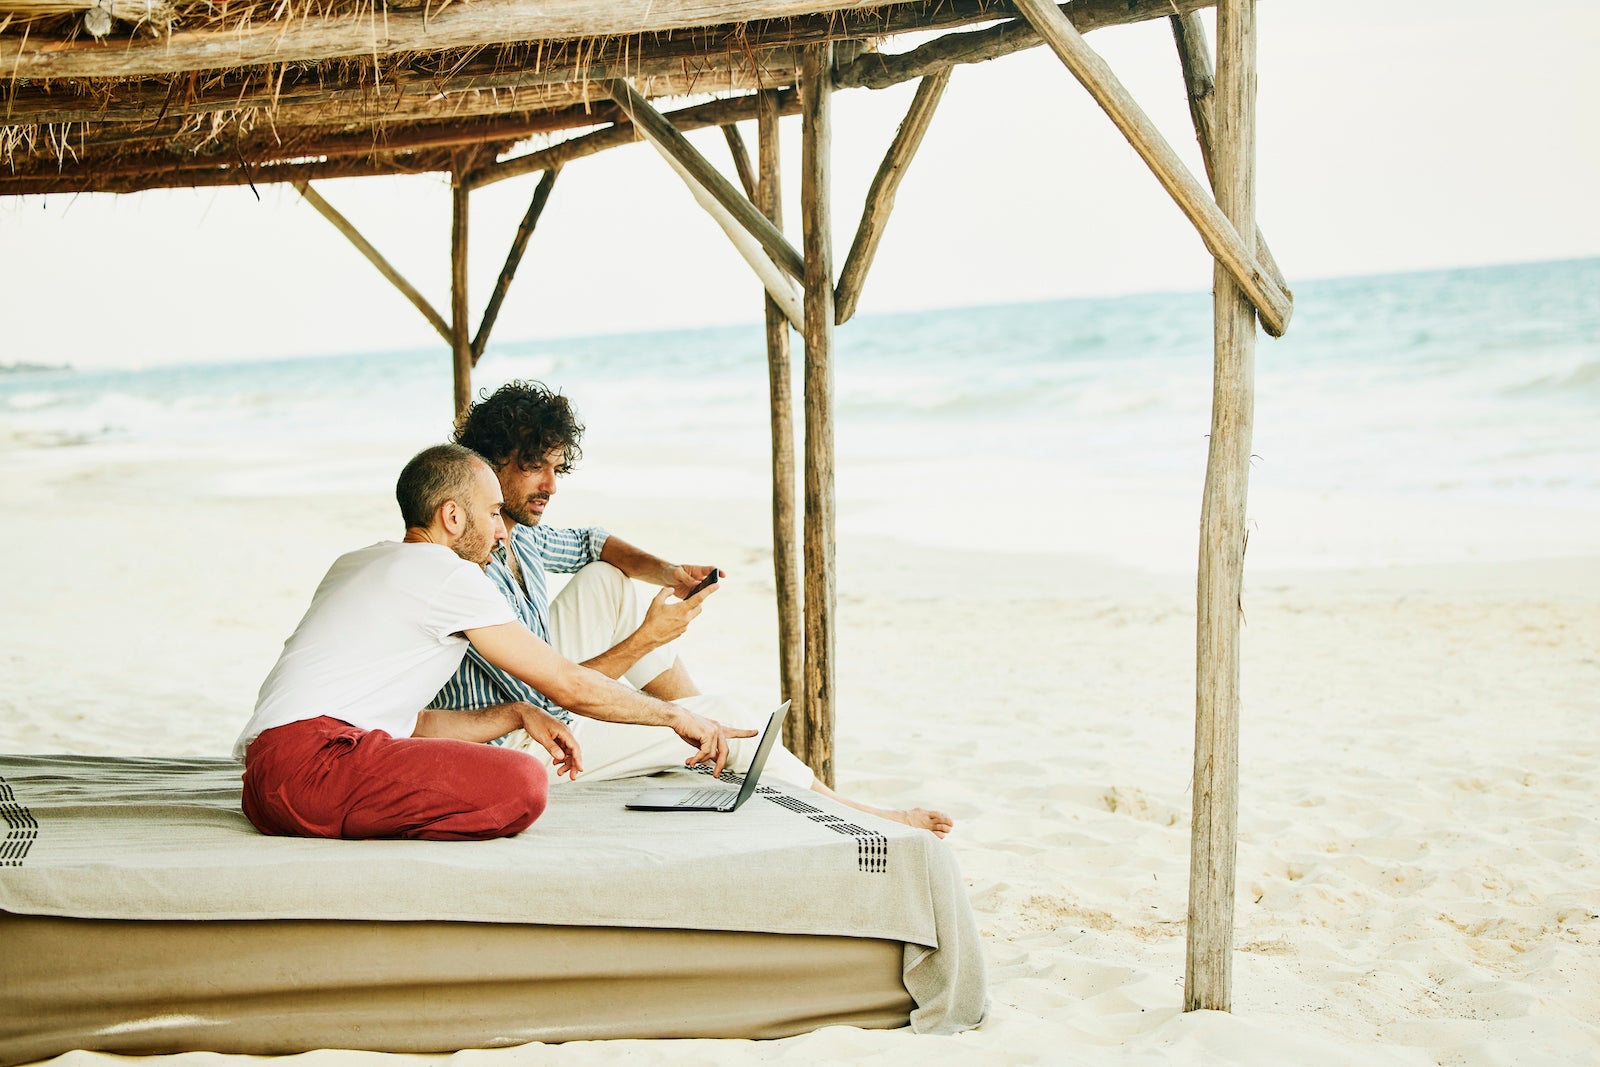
(666, 619)
(685, 576)
(709, 737)
(557, 740)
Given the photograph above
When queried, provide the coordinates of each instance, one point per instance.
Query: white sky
(1392, 136)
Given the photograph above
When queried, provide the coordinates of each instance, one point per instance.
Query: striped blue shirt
(540, 549)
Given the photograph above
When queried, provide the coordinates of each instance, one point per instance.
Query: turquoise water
(1477, 383)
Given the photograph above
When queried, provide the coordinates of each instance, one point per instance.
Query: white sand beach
(1419, 854)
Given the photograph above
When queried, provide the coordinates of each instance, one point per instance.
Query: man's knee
(597, 577)
(527, 791)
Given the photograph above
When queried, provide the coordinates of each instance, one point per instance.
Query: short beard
(473, 543)
(519, 516)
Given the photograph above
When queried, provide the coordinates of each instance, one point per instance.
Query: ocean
(1464, 388)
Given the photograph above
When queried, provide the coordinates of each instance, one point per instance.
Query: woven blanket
(145, 838)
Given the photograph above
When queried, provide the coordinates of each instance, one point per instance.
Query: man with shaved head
(340, 744)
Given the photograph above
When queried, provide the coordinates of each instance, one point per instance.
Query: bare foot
(935, 822)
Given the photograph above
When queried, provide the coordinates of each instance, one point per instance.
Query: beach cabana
(129, 95)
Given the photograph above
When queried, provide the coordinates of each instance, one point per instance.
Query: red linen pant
(325, 778)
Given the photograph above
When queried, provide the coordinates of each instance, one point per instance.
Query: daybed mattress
(139, 912)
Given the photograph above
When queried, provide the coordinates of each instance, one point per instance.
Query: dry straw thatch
(206, 92)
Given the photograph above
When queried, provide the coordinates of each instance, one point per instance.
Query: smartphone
(710, 579)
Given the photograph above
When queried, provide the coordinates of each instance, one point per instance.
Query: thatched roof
(122, 95)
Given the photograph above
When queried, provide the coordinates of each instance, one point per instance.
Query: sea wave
(1456, 381)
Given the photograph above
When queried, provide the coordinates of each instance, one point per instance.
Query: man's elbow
(567, 688)
(582, 689)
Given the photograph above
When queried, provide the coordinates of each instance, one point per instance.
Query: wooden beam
(461, 337)
(741, 160)
(1272, 302)
(1199, 85)
(880, 195)
(785, 546)
(365, 247)
(699, 116)
(357, 33)
(816, 218)
(880, 70)
(293, 144)
(214, 174)
(405, 95)
(1208, 971)
(573, 32)
(519, 246)
(671, 142)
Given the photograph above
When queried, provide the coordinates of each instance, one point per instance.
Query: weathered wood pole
(1199, 83)
(699, 170)
(1208, 973)
(1276, 305)
(880, 195)
(460, 328)
(816, 72)
(741, 161)
(365, 247)
(519, 248)
(785, 546)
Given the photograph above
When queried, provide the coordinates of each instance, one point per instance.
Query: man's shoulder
(409, 557)
(538, 539)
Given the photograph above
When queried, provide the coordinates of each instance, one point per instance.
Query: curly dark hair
(522, 422)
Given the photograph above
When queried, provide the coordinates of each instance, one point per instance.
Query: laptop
(716, 796)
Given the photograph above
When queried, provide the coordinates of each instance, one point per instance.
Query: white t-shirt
(382, 634)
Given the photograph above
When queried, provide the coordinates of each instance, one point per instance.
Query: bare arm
(512, 648)
(635, 562)
(666, 619)
(486, 724)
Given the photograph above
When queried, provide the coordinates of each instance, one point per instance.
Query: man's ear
(452, 517)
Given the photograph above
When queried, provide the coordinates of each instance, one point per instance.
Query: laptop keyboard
(703, 797)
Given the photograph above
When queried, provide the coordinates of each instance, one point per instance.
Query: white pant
(598, 608)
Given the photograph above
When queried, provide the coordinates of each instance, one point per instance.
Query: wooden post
(1274, 303)
(1208, 972)
(816, 71)
(741, 160)
(1199, 82)
(880, 196)
(519, 247)
(676, 147)
(729, 209)
(785, 548)
(364, 246)
(696, 117)
(460, 331)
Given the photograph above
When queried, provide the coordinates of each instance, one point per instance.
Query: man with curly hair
(339, 744)
(530, 435)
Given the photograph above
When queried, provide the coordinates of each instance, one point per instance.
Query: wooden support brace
(1199, 82)
(676, 147)
(741, 160)
(779, 286)
(880, 195)
(698, 116)
(344, 226)
(1273, 302)
(519, 246)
